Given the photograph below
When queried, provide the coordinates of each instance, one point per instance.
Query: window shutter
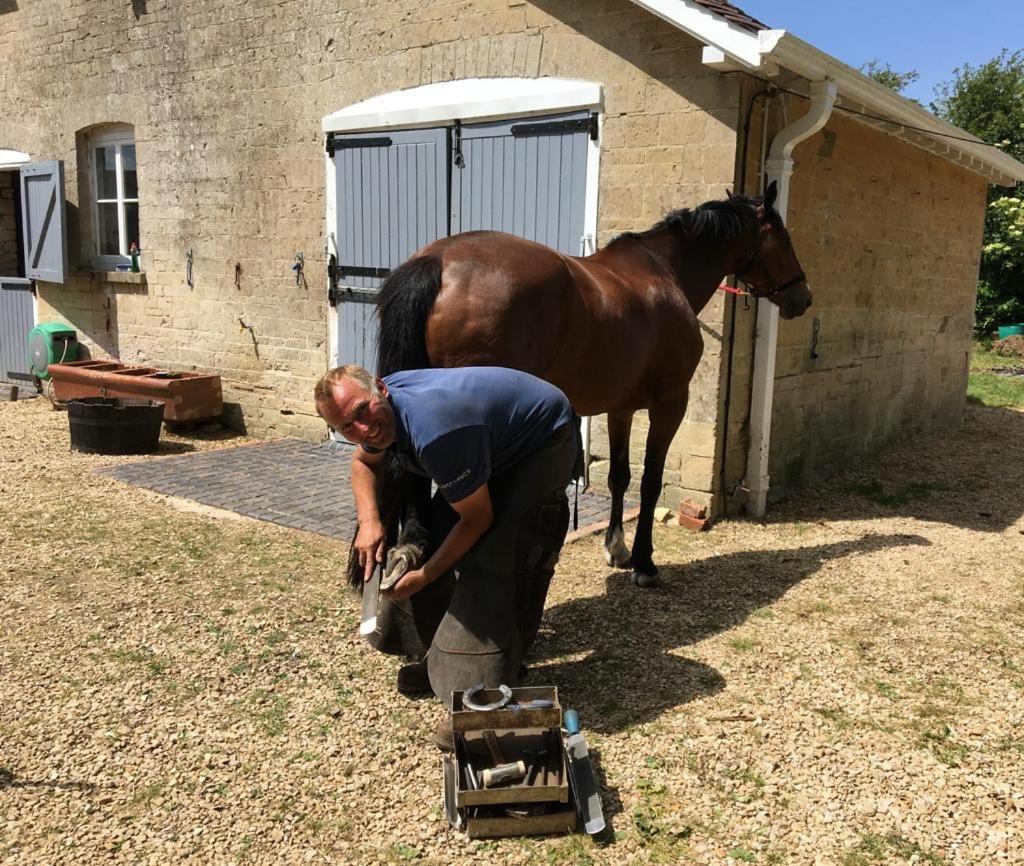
(43, 221)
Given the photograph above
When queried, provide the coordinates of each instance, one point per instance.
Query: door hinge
(332, 280)
(335, 141)
(550, 127)
(458, 160)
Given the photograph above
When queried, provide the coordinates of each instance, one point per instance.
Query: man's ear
(381, 386)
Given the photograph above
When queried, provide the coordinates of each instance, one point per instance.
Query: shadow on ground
(9, 780)
(970, 477)
(631, 673)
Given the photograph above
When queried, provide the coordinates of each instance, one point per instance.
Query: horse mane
(714, 220)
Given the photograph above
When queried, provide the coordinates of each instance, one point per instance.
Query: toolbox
(536, 802)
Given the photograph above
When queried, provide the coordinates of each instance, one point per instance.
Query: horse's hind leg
(412, 546)
(664, 422)
(615, 548)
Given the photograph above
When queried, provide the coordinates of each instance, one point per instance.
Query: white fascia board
(738, 43)
(12, 159)
(715, 58)
(467, 99)
(794, 54)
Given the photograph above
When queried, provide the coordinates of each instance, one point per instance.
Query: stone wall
(226, 100)
(890, 238)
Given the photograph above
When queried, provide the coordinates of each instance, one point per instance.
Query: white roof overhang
(12, 158)
(466, 99)
(764, 53)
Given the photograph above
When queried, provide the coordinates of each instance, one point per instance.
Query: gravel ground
(842, 684)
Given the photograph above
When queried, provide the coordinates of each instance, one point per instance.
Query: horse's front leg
(619, 424)
(664, 422)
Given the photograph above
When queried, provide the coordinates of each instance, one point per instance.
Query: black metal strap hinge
(335, 272)
(17, 284)
(336, 141)
(551, 127)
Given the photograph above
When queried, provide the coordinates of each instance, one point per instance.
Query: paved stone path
(289, 481)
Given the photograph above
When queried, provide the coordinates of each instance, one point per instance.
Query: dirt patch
(1010, 347)
(843, 683)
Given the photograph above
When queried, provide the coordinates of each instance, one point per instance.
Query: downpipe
(780, 168)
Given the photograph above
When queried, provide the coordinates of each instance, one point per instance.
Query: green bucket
(1010, 330)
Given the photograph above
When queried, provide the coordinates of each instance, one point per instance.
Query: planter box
(186, 396)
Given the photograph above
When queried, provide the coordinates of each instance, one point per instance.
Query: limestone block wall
(890, 237)
(225, 100)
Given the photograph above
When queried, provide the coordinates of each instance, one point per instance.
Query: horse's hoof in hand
(645, 581)
(396, 566)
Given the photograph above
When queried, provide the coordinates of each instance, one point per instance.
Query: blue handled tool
(571, 721)
(581, 772)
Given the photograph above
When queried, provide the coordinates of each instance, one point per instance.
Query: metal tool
(469, 695)
(510, 772)
(494, 747)
(539, 704)
(538, 758)
(450, 787)
(371, 604)
(581, 774)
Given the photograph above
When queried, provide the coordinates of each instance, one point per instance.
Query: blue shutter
(526, 177)
(17, 318)
(43, 225)
(392, 197)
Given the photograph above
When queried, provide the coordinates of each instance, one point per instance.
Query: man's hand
(370, 546)
(412, 582)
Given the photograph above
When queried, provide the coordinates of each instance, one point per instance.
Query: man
(500, 446)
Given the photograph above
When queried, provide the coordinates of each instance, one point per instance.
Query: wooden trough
(186, 396)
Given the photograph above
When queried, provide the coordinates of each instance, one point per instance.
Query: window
(115, 196)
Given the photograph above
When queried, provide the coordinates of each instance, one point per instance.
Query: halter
(772, 288)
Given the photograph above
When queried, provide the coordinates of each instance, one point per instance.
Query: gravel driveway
(841, 684)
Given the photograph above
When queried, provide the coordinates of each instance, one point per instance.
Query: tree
(885, 74)
(988, 101)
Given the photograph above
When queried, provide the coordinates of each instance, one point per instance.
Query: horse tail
(404, 302)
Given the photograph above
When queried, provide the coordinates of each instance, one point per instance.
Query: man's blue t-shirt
(461, 425)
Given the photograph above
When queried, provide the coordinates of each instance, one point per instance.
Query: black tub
(115, 425)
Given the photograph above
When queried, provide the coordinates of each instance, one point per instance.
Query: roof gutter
(779, 167)
(902, 116)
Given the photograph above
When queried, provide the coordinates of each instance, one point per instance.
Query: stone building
(242, 145)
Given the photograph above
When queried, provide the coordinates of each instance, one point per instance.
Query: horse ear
(728, 193)
(771, 194)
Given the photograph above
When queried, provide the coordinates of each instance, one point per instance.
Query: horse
(616, 331)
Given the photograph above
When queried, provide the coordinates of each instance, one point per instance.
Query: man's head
(356, 405)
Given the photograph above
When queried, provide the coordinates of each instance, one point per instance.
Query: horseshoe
(473, 691)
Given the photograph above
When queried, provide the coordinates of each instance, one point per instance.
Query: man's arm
(369, 543)
(475, 517)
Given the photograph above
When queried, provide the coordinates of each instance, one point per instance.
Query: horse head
(772, 270)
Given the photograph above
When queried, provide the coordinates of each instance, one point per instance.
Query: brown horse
(617, 331)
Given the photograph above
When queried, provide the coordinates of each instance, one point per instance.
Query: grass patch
(876, 848)
(896, 496)
(268, 710)
(991, 389)
(940, 743)
(742, 644)
(836, 716)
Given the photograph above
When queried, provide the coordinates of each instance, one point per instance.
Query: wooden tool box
(541, 802)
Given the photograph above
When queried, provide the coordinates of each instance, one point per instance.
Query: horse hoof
(616, 561)
(645, 581)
